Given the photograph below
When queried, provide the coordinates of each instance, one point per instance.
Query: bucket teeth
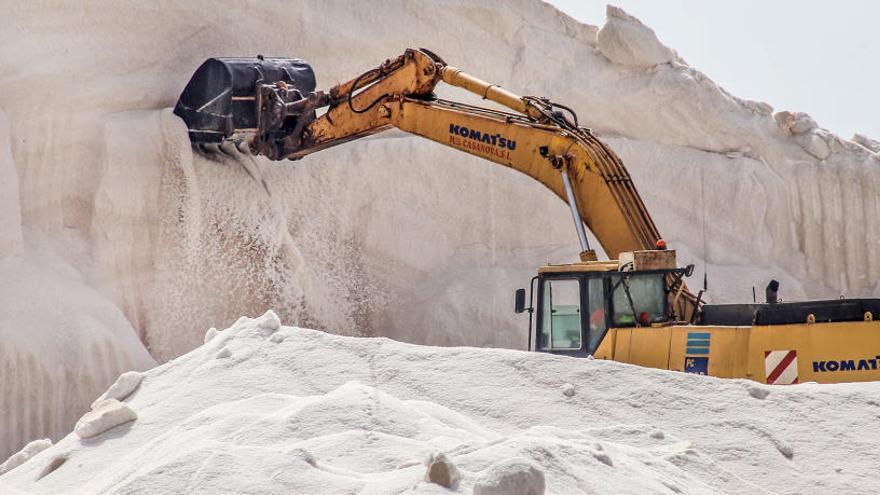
(228, 148)
(243, 147)
(231, 148)
(209, 148)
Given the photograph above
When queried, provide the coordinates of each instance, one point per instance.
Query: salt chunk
(270, 321)
(239, 323)
(795, 122)
(122, 387)
(210, 334)
(442, 471)
(223, 353)
(758, 392)
(625, 40)
(761, 107)
(817, 147)
(31, 449)
(867, 142)
(514, 476)
(109, 414)
(603, 458)
(785, 449)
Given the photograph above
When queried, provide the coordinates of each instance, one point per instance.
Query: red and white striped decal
(780, 367)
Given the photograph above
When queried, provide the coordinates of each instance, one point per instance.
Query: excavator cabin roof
(629, 260)
(581, 266)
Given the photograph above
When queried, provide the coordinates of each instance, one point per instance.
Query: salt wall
(112, 228)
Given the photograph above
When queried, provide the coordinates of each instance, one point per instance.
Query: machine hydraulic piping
(587, 254)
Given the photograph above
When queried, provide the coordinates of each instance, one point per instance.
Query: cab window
(561, 318)
(648, 300)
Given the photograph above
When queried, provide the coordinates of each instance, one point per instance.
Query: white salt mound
(122, 234)
(320, 413)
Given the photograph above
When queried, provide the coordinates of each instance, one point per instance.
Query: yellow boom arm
(528, 141)
(539, 138)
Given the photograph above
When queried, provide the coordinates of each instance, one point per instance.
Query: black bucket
(219, 100)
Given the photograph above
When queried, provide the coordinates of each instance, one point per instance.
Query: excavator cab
(578, 302)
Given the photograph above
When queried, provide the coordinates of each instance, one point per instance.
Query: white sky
(813, 56)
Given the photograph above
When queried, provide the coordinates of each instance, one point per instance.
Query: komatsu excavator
(634, 309)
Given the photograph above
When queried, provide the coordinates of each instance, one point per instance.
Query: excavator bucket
(221, 100)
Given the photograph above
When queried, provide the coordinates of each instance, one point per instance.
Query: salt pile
(127, 242)
(290, 410)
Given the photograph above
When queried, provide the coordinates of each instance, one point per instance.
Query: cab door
(560, 324)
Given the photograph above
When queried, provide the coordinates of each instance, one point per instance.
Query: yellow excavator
(635, 309)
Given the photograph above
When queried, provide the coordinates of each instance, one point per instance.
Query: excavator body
(636, 309)
(619, 310)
